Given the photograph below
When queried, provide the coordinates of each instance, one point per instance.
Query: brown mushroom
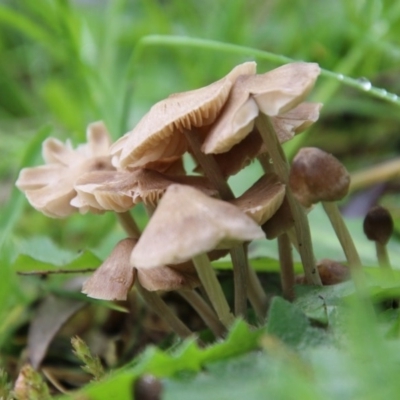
(263, 199)
(378, 226)
(186, 225)
(318, 176)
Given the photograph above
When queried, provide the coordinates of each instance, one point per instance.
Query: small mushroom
(378, 227)
(119, 191)
(158, 134)
(186, 225)
(263, 199)
(50, 188)
(114, 278)
(318, 176)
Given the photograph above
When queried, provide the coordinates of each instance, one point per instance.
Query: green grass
(64, 64)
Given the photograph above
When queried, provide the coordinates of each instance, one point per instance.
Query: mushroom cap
(235, 122)
(188, 223)
(159, 133)
(167, 278)
(50, 188)
(296, 120)
(317, 176)
(378, 225)
(283, 88)
(263, 199)
(114, 278)
(119, 191)
(280, 222)
(274, 93)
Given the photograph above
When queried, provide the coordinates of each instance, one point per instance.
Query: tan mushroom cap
(50, 188)
(277, 92)
(283, 88)
(167, 278)
(280, 222)
(188, 223)
(235, 122)
(296, 120)
(119, 191)
(114, 278)
(263, 199)
(159, 133)
(317, 176)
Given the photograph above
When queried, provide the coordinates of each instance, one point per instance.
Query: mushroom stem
(204, 310)
(128, 224)
(240, 278)
(383, 256)
(212, 171)
(257, 296)
(209, 165)
(286, 263)
(281, 167)
(163, 311)
(343, 235)
(213, 289)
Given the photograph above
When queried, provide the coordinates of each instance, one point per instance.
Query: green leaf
(287, 322)
(40, 253)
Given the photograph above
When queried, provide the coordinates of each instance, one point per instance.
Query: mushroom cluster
(195, 219)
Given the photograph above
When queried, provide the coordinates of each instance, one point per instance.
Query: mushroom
(115, 277)
(50, 188)
(378, 227)
(261, 201)
(119, 191)
(158, 134)
(186, 225)
(318, 176)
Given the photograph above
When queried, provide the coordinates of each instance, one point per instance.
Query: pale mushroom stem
(213, 289)
(343, 235)
(286, 263)
(163, 311)
(383, 256)
(204, 310)
(213, 173)
(281, 167)
(257, 296)
(128, 224)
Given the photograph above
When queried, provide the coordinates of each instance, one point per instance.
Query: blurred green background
(64, 64)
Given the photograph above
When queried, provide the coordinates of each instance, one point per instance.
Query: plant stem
(204, 310)
(213, 289)
(163, 311)
(128, 224)
(257, 296)
(286, 263)
(343, 235)
(281, 167)
(376, 174)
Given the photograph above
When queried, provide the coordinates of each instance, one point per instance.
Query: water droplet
(365, 83)
(340, 77)
(393, 96)
(383, 92)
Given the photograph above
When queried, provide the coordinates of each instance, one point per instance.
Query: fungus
(318, 176)
(119, 191)
(263, 199)
(378, 227)
(186, 225)
(158, 134)
(50, 188)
